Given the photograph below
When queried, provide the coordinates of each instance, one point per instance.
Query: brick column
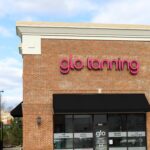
(37, 137)
(148, 130)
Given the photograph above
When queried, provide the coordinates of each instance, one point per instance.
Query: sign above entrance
(118, 64)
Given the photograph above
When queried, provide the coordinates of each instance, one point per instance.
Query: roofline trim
(82, 25)
(31, 33)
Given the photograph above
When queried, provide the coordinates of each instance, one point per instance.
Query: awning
(93, 103)
(17, 111)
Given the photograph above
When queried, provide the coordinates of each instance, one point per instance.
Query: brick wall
(42, 78)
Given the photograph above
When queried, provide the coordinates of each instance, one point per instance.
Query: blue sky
(97, 11)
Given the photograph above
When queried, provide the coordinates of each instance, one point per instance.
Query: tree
(12, 135)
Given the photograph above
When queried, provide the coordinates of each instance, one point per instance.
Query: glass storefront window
(136, 131)
(82, 123)
(100, 132)
(100, 119)
(117, 122)
(83, 143)
(118, 142)
(63, 132)
(117, 131)
(63, 143)
(136, 122)
(63, 124)
(83, 132)
(136, 148)
(136, 142)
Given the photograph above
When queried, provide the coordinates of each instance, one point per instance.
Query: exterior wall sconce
(38, 120)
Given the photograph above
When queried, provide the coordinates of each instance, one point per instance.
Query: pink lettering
(70, 64)
(78, 64)
(134, 67)
(73, 63)
(64, 66)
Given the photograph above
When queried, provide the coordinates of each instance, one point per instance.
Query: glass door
(100, 132)
(100, 137)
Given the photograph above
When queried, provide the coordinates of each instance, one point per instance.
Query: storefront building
(85, 86)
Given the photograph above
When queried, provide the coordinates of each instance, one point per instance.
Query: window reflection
(83, 143)
(63, 132)
(118, 142)
(117, 122)
(82, 123)
(117, 131)
(83, 132)
(136, 142)
(63, 143)
(100, 119)
(136, 122)
(63, 124)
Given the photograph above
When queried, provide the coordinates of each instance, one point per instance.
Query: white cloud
(124, 11)
(11, 81)
(110, 11)
(47, 7)
(5, 32)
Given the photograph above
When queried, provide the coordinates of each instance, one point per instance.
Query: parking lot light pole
(1, 131)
